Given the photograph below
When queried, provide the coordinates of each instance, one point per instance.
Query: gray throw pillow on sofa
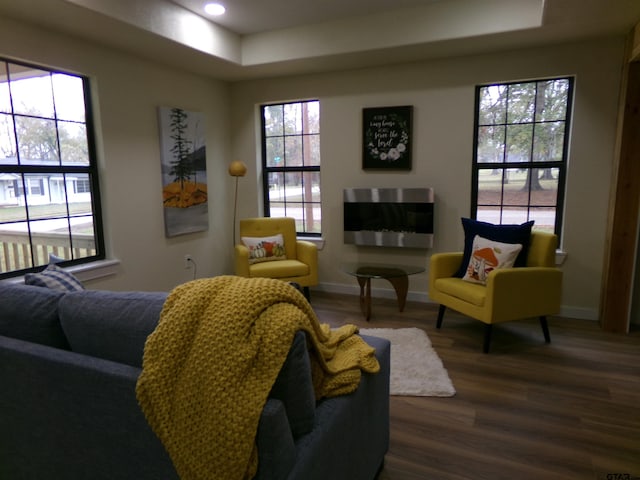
(31, 313)
(55, 278)
(111, 325)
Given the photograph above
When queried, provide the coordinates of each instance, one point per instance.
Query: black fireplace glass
(388, 217)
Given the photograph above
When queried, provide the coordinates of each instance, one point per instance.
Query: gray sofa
(68, 369)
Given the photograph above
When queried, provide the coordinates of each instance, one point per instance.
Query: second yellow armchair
(300, 260)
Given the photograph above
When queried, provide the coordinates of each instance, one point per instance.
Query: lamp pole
(237, 169)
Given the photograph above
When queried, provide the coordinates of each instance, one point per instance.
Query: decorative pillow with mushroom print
(487, 255)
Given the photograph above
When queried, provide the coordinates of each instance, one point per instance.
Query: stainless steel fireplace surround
(389, 217)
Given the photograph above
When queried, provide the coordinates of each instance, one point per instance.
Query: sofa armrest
(242, 260)
(68, 415)
(351, 434)
(510, 290)
(276, 449)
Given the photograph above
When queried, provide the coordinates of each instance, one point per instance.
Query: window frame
(63, 170)
(561, 165)
(302, 169)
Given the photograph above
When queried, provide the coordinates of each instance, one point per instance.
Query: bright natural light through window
(291, 163)
(520, 155)
(49, 207)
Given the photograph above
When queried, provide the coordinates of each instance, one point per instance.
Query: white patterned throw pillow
(265, 249)
(487, 255)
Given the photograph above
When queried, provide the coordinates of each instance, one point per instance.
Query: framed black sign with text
(386, 138)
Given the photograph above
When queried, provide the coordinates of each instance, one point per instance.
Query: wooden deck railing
(15, 249)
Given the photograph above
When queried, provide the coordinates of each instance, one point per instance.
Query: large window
(520, 153)
(49, 199)
(291, 163)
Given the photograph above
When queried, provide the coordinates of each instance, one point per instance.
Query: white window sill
(319, 241)
(85, 271)
(93, 270)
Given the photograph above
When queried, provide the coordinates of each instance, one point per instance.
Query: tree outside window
(520, 152)
(291, 163)
(49, 198)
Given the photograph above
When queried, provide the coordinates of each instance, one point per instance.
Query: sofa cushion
(111, 325)
(294, 387)
(277, 451)
(31, 313)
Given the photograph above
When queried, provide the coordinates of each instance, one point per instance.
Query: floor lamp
(237, 169)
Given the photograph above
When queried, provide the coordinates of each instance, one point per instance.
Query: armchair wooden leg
(545, 329)
(487, 337)
(307, 294)
(440, 315)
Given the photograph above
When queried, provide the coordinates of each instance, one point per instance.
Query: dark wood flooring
(527, 410)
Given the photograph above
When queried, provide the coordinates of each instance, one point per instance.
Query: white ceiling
(256, 16)
(258, 38)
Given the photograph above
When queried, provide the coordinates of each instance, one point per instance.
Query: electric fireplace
(389, 217)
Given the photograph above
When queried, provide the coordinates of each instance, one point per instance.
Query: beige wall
(127, 92)
(442, 93)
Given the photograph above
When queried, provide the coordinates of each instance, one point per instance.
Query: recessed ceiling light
(214, 8)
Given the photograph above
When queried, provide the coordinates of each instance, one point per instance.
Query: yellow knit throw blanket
(213, 358)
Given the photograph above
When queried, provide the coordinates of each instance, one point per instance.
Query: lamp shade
(237, 168)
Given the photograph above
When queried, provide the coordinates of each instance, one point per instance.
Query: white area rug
(416, 369)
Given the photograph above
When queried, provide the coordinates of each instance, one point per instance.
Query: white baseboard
(579, 312)
(423, 297)
(375, 292)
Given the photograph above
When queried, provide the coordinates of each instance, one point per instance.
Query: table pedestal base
(400, 285)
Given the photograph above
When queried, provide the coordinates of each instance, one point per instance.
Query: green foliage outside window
(520, 153)
(291, 163)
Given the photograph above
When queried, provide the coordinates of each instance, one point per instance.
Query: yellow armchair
(509, 294)
(301, 263)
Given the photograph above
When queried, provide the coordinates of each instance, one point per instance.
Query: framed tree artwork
(387, 138)
(184, 171)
